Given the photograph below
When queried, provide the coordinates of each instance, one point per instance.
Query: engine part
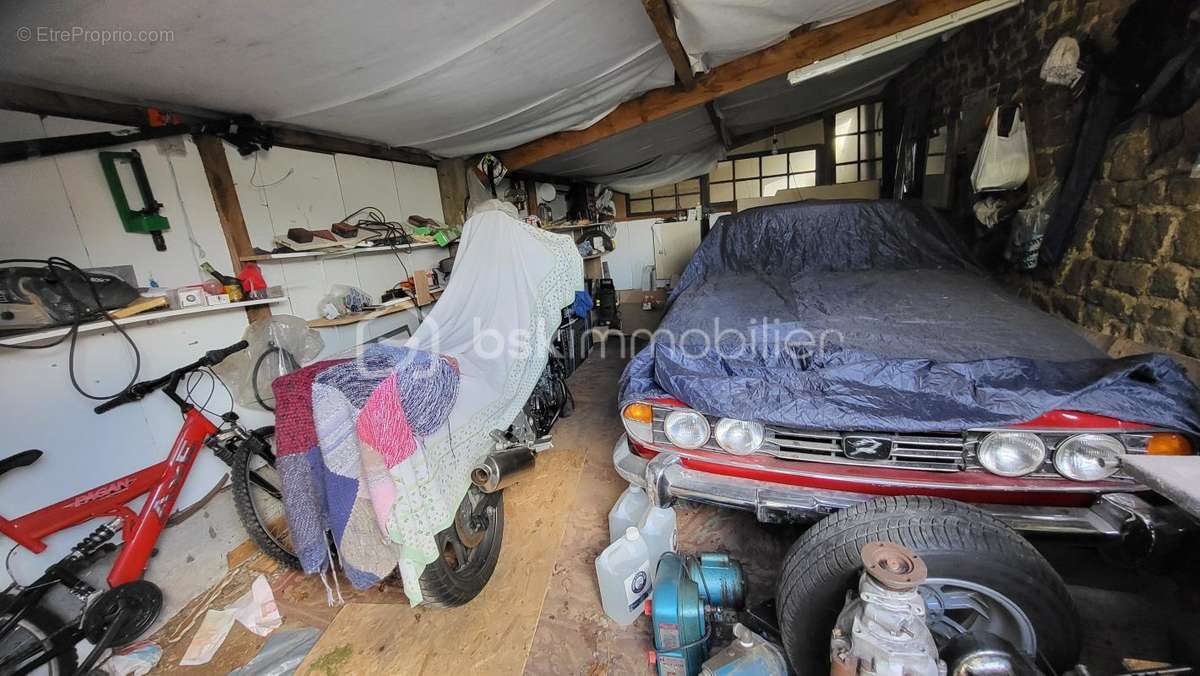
(690, 594)
(986, 654)
(882, 631)
(503, 469)
(748, 655)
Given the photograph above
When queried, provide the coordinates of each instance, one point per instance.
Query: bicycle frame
(161, 483)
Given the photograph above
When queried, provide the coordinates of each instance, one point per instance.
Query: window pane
(878, 168)
(640, 207)
(640, 195)
(806, 180)
(845, 148)
(773, 165)
(720, 192)
(747, 189)
(846, 122)
(772, 185)
(747, 168)
(871, 116)
(935, 165)
(664, 204)
(804, 160)
(937, 142)
(692, 185)
(872, 145)
(722, 172)
(665, 191)
(689, 201)
(846, 173)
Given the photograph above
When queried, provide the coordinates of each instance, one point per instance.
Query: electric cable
(81, 312)
(393, 235)
(292, 365)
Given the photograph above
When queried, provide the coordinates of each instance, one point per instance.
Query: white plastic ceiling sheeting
(454, 76)
(776, 102)
(716, 31)
(676, 147)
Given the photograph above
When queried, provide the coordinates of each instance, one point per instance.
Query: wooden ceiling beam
(789, 54)
(664, 25)
(46, 102)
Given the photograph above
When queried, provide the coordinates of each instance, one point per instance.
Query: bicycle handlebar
(138, 391)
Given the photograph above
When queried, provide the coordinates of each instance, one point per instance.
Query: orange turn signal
(639, 412)
(1168, 444)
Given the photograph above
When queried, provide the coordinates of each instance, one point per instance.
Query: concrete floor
(541, 613)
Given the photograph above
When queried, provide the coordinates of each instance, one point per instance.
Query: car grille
(910, 451)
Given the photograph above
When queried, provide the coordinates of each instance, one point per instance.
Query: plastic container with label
(627, 511)
(658, 529)
(624, 572)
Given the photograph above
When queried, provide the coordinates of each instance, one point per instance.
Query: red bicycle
(34, 638)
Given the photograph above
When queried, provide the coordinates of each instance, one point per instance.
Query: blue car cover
(870, 315)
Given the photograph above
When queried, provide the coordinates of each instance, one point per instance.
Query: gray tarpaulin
(867, 316)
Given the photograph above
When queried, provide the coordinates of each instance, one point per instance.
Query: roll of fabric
(427, 384)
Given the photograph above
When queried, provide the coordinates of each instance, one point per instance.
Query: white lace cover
(497, 317)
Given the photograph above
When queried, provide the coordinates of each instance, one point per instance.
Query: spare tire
(983, 577)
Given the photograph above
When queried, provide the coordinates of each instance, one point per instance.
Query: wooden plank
(452, 181)
(789, 54)
(300, 139)
(46, 102)
(229, 209)
(356, 317)
(664, 25)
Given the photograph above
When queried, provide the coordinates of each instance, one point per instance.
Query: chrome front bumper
(1114, 516)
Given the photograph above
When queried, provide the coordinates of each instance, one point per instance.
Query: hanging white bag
(1003, 162)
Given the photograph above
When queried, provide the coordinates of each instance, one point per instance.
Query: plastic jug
(658, 528)
(627, 511)
(624, 570)
(748, 655)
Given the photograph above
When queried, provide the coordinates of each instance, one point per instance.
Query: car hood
(870, 316)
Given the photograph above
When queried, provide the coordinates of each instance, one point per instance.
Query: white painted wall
(61, 206)
(633, 250)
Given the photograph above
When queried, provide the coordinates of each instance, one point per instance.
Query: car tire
(954, 539)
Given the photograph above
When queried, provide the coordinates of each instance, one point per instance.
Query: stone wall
(1133, 270)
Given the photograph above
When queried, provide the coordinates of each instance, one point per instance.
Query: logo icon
(639, 582)
(867, 448)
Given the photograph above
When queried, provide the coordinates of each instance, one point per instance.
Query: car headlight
(686, 429)
(1012, 453)
(1088, 457)
(738, 436)
(639, 420)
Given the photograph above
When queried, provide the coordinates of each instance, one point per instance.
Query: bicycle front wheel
(258, 498)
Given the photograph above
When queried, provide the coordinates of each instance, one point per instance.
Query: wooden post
(229, 208)
(452, 180)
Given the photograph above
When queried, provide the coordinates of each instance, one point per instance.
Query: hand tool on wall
(146, 218)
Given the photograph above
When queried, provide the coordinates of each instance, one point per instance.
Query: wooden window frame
(817, 171)
(831, 138)
(675, 195)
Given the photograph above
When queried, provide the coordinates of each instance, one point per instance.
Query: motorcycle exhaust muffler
(502, 469)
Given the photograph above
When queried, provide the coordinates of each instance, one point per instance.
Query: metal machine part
(690, 595)
(986, 655)
(882, 631)
(502, 469)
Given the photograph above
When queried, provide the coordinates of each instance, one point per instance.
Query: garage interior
(385, 256)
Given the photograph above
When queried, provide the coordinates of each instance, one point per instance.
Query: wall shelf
(335, 252)
(144, 318)
(356, 317)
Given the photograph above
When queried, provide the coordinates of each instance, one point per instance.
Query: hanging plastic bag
(1003, 162)
(279, 344)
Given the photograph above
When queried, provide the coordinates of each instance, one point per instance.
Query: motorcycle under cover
(869, 315)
